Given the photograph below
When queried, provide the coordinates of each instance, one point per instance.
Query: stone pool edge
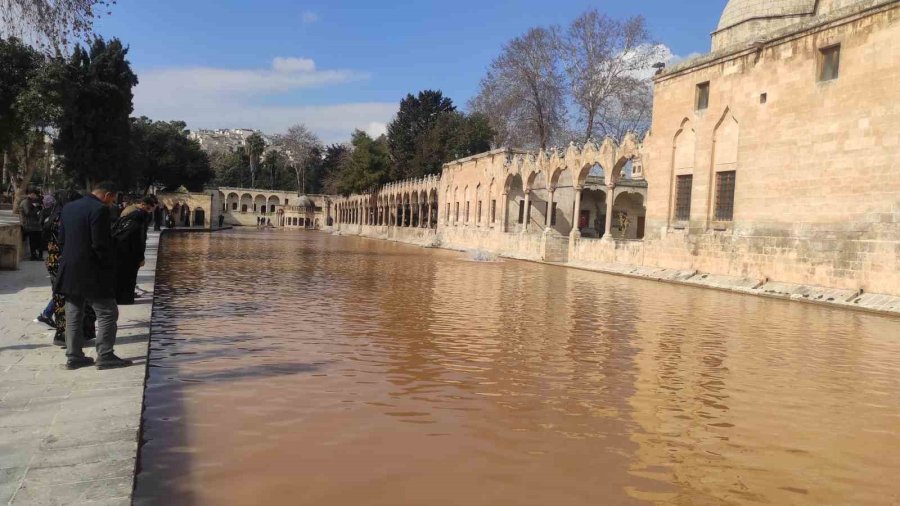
(873, 303)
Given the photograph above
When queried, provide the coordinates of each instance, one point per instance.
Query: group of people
(260, 222)
(95, 248)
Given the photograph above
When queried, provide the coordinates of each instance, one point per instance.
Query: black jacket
(87, 265)
(129, 233)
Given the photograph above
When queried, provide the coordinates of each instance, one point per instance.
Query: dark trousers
(126, 281)
(35, 243)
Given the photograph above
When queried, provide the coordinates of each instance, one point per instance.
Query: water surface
(302, 368)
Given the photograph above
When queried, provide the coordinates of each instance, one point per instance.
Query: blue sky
(340, 65)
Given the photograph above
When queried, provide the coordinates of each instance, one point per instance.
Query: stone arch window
(232, 201)
(723, 171)
(682, 175)
(246, 202)
(515, 201)
(259, 204)
(272, 203)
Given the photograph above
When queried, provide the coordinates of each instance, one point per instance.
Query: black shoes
(78, 362)
(59, 342)
(111, 361)
(46, 321)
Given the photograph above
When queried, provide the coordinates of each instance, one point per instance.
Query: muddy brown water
(303, 368)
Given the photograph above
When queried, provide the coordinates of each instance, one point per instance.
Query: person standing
(87, 276)
(30, 213)
(157, 218)
(58, 301)
(221, 220)
(130, 236)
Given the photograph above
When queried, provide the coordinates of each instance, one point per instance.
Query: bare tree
(52, 25)
(298, 145)
(630, 110)
(523, 93)
(607, 63)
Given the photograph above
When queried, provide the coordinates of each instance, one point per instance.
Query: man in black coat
(87, 276)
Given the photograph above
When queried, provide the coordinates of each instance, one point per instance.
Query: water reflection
(302, 368)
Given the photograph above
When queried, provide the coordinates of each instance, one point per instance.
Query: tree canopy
(94, 127)
(367, 166)
(163, 155)
(52, 24)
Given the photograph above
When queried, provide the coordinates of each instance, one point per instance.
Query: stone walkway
(67, 437)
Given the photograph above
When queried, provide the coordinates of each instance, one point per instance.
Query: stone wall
(817, 196)
(12, 248)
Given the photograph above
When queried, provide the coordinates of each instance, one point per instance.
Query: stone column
(575, 231)
(526, 215)
(430, 207)
(548, 218)
(504, 211)
(610, 199)
(403, 215)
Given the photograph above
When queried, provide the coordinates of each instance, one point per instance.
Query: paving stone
(66, 437)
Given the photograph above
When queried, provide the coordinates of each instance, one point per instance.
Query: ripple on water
(303, 368)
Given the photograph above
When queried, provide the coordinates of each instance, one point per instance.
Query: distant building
(225, 140)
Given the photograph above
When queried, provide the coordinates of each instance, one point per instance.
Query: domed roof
(739, 11)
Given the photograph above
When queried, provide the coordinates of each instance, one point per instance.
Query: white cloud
(282, 64)
(376, 129)
(309, 17)
(209, 97)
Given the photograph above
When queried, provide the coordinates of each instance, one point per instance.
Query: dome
(740, 11)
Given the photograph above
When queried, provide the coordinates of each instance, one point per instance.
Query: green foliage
(416, 116)
(335, 158)
(163, 155)
(94, 128)
(429, 132)
(18, 65)
(367, 166)
(454, 135)
(230, 168)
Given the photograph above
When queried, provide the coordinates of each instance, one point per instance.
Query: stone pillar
(575, 216)
(504, 211)
(549, 216)
(430, 208)
(610, 199)
(526, 215)
(403, 215)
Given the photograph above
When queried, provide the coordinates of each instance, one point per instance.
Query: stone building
(771, 165)
(246, 206)
(311, 212)
(195, 210)
(776, 155)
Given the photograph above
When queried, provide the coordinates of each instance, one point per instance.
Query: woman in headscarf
(62, 198)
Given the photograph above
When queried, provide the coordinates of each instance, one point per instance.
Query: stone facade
(772, 162)
(817, 191)
(195, 210)
(246, 206)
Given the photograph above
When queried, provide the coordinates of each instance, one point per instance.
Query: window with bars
(553, 215)
(830, 60)
(493, 210)
(703, 96)
(478, 212)
(467, 212)
(683, 185)
(725, 195)
(456, 213)
(521, 212)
